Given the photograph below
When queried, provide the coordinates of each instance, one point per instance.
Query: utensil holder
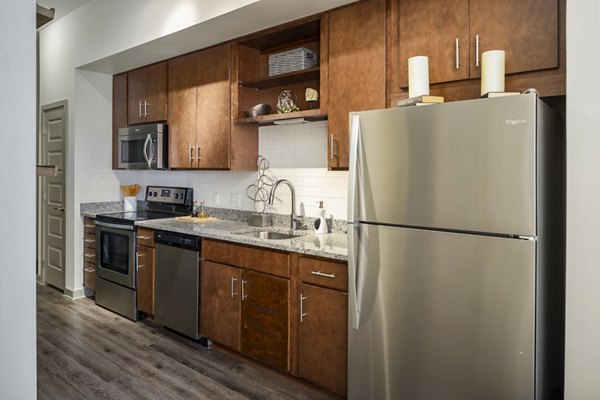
(130, 203)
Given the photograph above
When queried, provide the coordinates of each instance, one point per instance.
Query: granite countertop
(231, 223)
(331, 245)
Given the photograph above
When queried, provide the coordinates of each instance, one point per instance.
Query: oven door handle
(114, 226)
(147, 154)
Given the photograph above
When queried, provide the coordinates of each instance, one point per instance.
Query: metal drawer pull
(233, 293)
(144, 237)
(89, 226)
(302, 314)
(244, 295)
(323, 274)
(89, 240)
(191, 152)
(477, 50)
(140, 266)
(331, 150)
(457, 49)
(88, 255)
(89, 270)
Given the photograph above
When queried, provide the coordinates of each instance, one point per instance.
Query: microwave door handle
(152, 148)
(146, 154)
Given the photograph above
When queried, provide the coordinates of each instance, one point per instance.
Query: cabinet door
(213, 107)
(434, 29)
(323, 337)
(220, 304)
(356, 79)
(526, 30)
(182, 111)
(119, 114)
(147, 94)
(265, 329)
(145, 280)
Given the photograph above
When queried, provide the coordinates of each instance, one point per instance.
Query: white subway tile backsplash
(295, 152)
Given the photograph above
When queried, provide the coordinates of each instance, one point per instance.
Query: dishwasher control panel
(174, 239)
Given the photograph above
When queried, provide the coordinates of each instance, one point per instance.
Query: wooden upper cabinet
(200, 109)
(526, 30)
(356, 71)
(213, 114)
(147, 94)
(182, 111)
(438, 30)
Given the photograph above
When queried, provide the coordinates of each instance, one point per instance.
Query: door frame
(40, 203)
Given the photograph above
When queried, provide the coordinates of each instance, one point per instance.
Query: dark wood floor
(86, 352)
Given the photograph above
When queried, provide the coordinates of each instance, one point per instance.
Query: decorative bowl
(259, 109)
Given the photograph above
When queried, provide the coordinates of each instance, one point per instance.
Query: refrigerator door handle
(353, 170)
(354, 275)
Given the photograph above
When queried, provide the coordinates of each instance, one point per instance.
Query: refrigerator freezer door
(443, 316)
(467, 166)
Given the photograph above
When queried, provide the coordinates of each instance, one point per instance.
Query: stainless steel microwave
(143, 147)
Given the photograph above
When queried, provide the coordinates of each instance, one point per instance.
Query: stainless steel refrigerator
(456, 251)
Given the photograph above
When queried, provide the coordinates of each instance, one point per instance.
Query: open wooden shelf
(283, 79)
(309, 115)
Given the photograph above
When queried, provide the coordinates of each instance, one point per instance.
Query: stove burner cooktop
(163, 202)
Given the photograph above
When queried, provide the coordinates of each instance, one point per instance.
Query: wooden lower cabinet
(285, 310)
(89, 253)
(220, 303)
(146, 254)
(323, 337)
(264, 318)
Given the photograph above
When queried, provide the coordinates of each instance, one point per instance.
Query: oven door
(115, 253)
(138, 151)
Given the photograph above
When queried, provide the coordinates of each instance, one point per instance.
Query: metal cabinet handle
(191, 152)
(59, 208)
(144, 237)
(89, 240)
(140, 110)
(332, 153)
(233, 293)
(302, 313)
(88, 255)
(244, 295)
(198, 148)
(477, 50)
(146, 113)
(89, 226)
(457, 50)
(323, 274)
(88, 270)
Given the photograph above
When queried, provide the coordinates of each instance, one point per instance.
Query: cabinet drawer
(89, 256)
(268, 261)
(89, 276)
(145, 237)
(89, 241)
(323, 273)
(89, 225)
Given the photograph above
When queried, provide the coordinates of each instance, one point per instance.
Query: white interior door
(54, 131)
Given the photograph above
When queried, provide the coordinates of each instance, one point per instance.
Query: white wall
(78, 54)
(17, 210)
(583, 201)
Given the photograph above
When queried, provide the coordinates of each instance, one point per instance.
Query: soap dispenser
(321, 222)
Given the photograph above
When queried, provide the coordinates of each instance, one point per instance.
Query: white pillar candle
(418, 76)
(492, 71)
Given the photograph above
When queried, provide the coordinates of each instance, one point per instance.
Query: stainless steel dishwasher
(177, 285)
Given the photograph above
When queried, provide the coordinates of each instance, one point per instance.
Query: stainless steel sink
(269, 235)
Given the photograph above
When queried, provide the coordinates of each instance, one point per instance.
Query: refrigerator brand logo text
(514, 122)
